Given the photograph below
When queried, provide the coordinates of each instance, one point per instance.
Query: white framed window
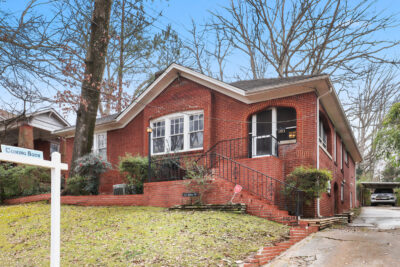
(346, 158)
(334, 146)
(323, 137)
(158, 137)
(341, 154)
(342, 192)
(177, 132)
(196, 128)
(54, 147)
(100, 145)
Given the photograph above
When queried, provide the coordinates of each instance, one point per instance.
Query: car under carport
(376, 185)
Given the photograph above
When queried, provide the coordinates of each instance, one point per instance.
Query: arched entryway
(336, 198)
(270, 126)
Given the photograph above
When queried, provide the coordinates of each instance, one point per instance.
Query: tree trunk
(121, 58)
(91, 84)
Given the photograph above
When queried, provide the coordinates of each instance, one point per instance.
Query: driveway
(372, 240)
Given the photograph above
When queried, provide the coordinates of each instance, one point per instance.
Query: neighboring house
(263, 128)
(32, 130)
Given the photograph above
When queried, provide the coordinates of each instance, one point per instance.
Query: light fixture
(149, 130)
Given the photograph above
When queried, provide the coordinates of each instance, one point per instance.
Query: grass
(132, 236)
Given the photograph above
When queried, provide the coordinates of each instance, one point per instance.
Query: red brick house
(32, 130)
(257, 131)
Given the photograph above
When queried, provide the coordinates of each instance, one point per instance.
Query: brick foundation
(167, 194)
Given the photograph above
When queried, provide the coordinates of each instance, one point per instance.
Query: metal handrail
(172, 167)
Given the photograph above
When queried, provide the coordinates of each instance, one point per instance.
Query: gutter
(317, 122)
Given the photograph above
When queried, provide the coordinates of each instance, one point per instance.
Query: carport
(375, 185)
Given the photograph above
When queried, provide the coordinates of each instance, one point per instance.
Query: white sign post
(56, 167)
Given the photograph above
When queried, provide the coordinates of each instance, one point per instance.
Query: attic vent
(120, 189)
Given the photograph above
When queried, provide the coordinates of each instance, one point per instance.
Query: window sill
(286, 142)
(326, 151)
(261, 156)
(177, 152)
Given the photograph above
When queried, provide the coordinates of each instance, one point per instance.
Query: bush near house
(313, 182)
(16, 181)
(135, 170)
(87, 181)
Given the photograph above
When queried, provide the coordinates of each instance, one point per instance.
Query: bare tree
(24, 45)
(298, 37)
(93, 77)
(132, 45)
(366, 107)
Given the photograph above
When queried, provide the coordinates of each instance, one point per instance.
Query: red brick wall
(327, 161)
(224, 118)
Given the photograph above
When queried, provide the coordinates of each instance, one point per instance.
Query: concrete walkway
(373, 240)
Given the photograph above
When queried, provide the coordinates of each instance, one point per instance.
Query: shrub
(199, 179)
(135, 169)
(91, 167)
(76, 186)
(21, 180)
(311, 181)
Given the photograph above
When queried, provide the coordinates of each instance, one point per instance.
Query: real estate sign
(22, 151)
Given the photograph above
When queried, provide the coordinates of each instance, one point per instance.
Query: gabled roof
(47, 119)
(245, 91)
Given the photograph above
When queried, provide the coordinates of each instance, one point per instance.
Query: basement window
(178, 132)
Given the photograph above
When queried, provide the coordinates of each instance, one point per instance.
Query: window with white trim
(334, 147)
(158, 136)
(346, 158)
(196, 128)
(323, 137)
(341, 154)
(177, 132)
(100, 145)
(342, 192)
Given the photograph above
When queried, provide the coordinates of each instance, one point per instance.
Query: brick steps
(266, 254)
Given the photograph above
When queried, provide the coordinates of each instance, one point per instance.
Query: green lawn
(131, 236)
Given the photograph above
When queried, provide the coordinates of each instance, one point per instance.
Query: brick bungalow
(260, 130)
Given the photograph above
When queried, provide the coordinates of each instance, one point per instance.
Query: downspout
(318, 98)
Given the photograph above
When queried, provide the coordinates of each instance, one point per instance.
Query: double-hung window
(196, 128)
(177, 132)
(100, 145)
(334, 147)
(159, 137)
(341, 154)
(323, 137)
